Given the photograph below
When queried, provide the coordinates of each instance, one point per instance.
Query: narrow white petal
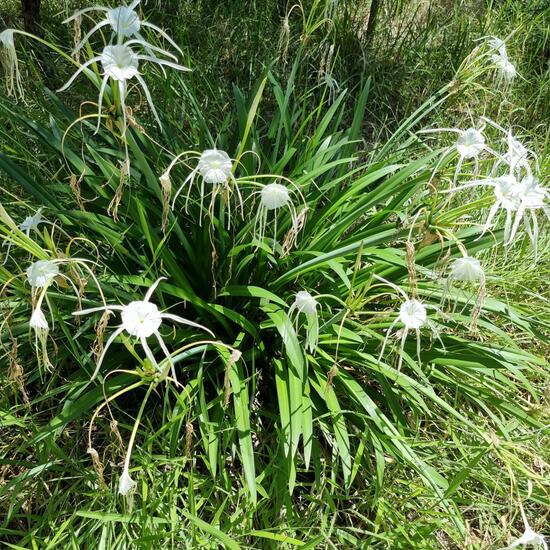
(152, 289)
(106, 347)
(77, 73)
(149, 98)
(100, 308)
(179, 319)
(82, 12)
(89, 34)
(162, 33)
(149, 353)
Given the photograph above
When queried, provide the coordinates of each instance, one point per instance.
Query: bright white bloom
(120, 63)
(498, 44)
(517, 156)
(506, 70)
(520, 200)
(507, 190)
(304, 303)
(532, 197)
(215, 166)
(126, 484)
(141, 319)
(215, 169)
(124, 22)
(41, 328)
(8, 59)
(38, 321)
(413, 315)
(467, 269)
(529, 537)
(469, 145)
(42, 273)
(273, 197)
(30, 223)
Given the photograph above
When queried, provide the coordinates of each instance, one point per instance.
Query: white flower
(273, 197)
(126, 484)
(507, 190)
(8, 59)
(124, 22)
(529, 537)
(38, 321)
(532, 197)
(517, 156)
(506, 70)
(31, 223)
(141, 319)
(467, 269)
(215, 169)
(413, 315)
(523, 198)
(121, 64)
(42, 273)
(41, 328)
(304, 303)
(498, 44)
(215, 166)
(470, 143)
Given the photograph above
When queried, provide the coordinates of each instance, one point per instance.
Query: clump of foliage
(347, 298)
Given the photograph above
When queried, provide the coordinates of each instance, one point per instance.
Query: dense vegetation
(366, 364)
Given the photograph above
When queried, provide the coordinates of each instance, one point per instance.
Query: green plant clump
(210, 331)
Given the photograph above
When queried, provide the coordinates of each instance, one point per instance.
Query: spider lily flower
(8, 59)
(465, 270)
(304, 303)
(126, 484)
(273, 197)
(468, 270)
(520, 199)
(121, 64)
(124, 22)
(215, 169)
(469, 145)
(41, 273)
(39, 324)
(30, 223)
(507, 197)
(517, 156)
(532, 197)
(529, 537)
(141, 319)
(413, 315)
(38, 320)
(506, 70)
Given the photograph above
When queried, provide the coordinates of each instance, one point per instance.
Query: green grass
(283, 449)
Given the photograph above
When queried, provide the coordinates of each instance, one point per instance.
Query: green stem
(136, 425)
